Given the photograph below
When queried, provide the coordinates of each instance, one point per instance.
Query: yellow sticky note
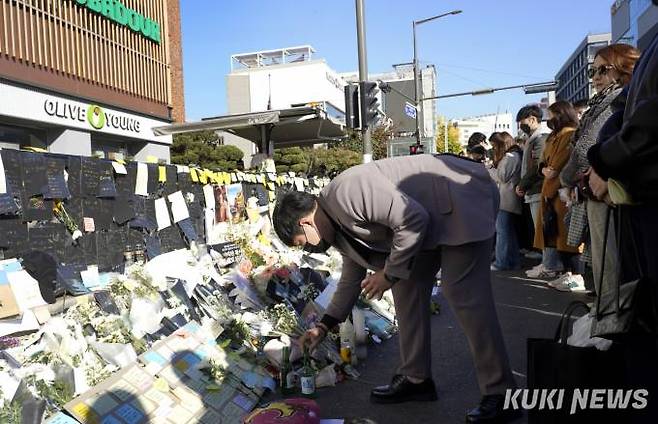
(162, 174)
(87, 414)
(161, 385)
(272, 196)
(194, 175)
(203, 177)
(151, 159)
(271, 187)
(121, 161)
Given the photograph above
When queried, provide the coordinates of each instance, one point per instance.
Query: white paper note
(90, 277)
(299, 184)
(209, 196)
(28, 322)
(3, 181)
(141, 185)
(119, 168)
(162, 214)
(26, 290)
(178, 206)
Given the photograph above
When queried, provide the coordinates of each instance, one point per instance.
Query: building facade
(90, 77)
(485, 124)
(280, 79)
(574, 84)
(634, 22)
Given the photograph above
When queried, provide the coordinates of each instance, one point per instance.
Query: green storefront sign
(115, 11)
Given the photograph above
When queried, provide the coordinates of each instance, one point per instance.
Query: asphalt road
(526, 308)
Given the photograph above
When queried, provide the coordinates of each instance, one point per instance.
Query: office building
(89, 77)
(485, 124)
(574, 84)
(634, 22)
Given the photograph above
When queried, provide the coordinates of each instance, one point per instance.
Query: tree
(453, 137)
(379, 137)
(291, 159)
(325, 162)
(201, 149)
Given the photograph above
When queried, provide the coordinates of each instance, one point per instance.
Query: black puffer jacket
(631, 154)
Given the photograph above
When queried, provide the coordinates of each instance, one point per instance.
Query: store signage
(117, 12)
(66, 112)
(94, 115)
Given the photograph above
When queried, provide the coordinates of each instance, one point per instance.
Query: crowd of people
(546, 202)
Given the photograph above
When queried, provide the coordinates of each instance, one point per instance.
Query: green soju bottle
(307, 376)
(286, 375)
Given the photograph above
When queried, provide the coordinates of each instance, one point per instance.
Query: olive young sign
(117, 12)
(94, 115)
(31, 104)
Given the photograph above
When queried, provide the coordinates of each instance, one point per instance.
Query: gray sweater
(507, 175)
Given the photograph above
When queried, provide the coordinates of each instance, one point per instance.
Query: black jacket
(630, 155)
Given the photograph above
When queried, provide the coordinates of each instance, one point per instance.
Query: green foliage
(379, 138)
(333, 159)
(453, 138)
(293, 159)
(11, 413)
(202, 149)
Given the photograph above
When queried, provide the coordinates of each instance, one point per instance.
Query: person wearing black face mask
(405, 218)
(529, 188)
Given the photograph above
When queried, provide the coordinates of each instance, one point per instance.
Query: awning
(296, 126)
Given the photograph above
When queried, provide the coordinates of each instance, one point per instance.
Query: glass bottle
(286, 375)
(307, 376)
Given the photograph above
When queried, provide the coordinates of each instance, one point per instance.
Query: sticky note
(194, 175)
(151, 159)
(162, 174)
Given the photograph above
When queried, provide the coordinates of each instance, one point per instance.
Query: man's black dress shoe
(403, 390)
(490, 410)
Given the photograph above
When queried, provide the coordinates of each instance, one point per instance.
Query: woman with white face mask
(611, 71)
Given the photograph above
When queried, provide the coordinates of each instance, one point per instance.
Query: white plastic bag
(580, 336)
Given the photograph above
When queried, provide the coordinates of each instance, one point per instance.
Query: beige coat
(389, 210)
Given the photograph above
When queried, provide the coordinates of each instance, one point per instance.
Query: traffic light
(352, 107)
(369, 103)
(416, 149)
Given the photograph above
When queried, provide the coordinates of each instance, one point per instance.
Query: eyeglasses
(601, 70)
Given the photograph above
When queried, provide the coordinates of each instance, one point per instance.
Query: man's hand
(598, 185)
(375, 285)
(312, 338)
(520, 192)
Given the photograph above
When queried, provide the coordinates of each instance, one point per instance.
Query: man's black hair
(291, 206)
(528, 111)
(476, 138)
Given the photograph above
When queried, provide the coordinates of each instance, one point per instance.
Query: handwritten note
(141, 183)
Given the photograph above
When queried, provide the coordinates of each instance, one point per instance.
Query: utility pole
(363, 73)
(416, 96)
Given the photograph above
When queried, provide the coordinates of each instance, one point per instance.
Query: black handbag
(550, 227)
(553, 364)
(628, 310)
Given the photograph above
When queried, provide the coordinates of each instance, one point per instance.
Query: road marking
(555, 314)
(518, 374)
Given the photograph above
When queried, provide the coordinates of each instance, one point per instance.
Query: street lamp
(416, 100)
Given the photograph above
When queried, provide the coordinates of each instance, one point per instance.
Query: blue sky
(493, 43)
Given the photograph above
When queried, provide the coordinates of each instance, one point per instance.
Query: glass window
(23, 136)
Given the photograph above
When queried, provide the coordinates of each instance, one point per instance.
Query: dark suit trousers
(466, 285)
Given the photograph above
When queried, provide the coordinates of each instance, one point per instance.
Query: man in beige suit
(405, 218)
